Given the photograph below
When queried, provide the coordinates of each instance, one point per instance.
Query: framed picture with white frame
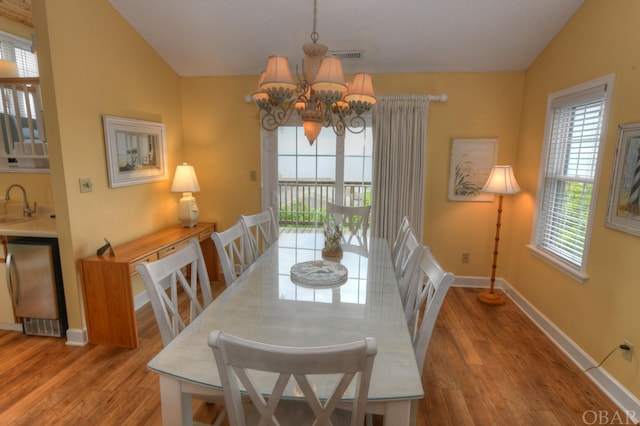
(136, 151)
(471, 163)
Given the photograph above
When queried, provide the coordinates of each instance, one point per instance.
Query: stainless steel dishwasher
(34, 278)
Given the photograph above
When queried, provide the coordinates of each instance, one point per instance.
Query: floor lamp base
(489, 298)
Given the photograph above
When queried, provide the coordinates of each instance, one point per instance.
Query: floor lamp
(501, 181)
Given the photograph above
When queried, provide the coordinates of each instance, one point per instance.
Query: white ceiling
(235, 37)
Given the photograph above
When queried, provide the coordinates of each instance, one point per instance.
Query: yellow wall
(222, 141)
(93, 63)
(599, 314)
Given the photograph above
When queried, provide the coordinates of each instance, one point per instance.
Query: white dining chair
(261, 229)
(407, 263)
(239, 361)
(355, 220)
(408, 243)
(425, 299)
(424, 303)
(182, 271)
(234, 251)
(163, 279)
(400, 238)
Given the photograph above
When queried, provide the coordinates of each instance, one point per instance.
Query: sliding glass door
(299, 179)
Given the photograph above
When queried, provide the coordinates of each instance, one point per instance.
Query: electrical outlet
(465, 257)
(85, 185)
(627, 353)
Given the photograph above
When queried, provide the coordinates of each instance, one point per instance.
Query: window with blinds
(573, 145)
(17, 49)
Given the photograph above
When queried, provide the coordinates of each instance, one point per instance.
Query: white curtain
(399, 138)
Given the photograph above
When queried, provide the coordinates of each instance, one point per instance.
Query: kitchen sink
(10, 220)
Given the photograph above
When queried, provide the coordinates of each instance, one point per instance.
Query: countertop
(41, 224)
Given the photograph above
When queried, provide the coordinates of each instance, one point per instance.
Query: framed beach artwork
(623, 212)
(136, 151)
(471, 163)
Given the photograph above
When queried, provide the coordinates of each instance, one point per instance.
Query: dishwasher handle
(14, 291)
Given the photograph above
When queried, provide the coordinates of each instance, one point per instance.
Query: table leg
(176, 405)
(401, 412)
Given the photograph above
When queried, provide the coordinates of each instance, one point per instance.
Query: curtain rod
(443, 97)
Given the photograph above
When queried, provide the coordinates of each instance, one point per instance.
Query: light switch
(86, 185)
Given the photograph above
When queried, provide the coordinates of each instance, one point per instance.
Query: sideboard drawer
(172, 248)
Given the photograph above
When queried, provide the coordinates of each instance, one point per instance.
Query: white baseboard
(139, 300)
(621, 396)
(77, 337)
(10, 326)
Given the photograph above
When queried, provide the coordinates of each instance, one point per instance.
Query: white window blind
(575, 130)
(17, 49)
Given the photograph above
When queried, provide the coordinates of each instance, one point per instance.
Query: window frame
(575, 272)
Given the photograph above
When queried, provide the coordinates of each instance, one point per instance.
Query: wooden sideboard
(106, 281)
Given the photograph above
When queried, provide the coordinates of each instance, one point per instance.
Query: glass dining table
(265, 304)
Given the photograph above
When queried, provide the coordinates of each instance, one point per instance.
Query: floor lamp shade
(501, 181)
(185, 181)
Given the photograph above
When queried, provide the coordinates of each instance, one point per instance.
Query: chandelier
(321, 97)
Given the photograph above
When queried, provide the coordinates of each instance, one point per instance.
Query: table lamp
(185, 181)
(501, 181)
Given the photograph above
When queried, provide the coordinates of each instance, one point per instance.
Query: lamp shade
(277, 74)
(8, 69)
(501, 181)
(361, 89)
(260, 95)
(330, 77)
(185, 179)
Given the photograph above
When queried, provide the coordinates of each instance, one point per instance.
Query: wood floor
(485, 366)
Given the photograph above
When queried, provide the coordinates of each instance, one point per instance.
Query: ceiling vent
(347, 55)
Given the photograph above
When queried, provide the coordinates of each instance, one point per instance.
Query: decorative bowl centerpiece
(319, 273)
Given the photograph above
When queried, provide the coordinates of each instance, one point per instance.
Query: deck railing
(305, 203)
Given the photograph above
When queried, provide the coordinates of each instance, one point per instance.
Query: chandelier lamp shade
(320, 96)
(186, 182)
(503, 182)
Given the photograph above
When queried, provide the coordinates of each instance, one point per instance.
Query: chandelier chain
(314, 33)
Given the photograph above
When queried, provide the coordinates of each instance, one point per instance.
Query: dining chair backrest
(429, 294)
(400, 238)
(410, 275)
(162, 279)
(408, 243)
(354, 221)
(238, 360)
(407, 262)
(234, 251)
(261, 229)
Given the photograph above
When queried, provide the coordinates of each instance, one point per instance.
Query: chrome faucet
(26, 210)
